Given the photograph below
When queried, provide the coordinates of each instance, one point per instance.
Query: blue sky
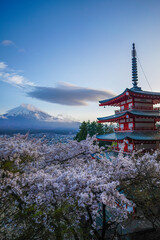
(81, 48)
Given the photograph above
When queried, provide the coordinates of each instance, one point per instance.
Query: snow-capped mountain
(28, 117)
(29, 111)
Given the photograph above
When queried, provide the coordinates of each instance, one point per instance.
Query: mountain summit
(28, 111)
(28, 117)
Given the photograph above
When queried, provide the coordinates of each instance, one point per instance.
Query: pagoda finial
(134, 69)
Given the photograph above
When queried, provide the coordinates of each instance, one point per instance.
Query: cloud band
(67, 94)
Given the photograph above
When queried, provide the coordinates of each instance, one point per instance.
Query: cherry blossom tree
(65, 191)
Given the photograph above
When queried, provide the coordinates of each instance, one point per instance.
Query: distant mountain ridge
(28, 117)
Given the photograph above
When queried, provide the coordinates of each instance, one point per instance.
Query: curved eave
(115, 101)
(146, 94)
(107, 137)
(112, 118)
(135, 135)
(146, 114)
(157, 94)
(133, 113)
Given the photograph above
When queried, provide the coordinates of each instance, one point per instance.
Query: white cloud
(7, 43)
(16, 79)
(2, 65)
(13, 77)
(64, 93)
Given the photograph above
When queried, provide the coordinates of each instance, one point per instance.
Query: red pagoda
(136, 118)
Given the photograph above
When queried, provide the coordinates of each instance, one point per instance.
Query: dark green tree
(82, 134)
(100, 129)
(91, 129)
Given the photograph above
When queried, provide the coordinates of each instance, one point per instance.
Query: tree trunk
(104, 222)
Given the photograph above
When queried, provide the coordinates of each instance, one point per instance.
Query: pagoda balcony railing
(134, 129)
(137, 108)
(156, 108)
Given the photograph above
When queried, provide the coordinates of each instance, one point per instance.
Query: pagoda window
(121, 126)
(130, 105)
(120, 145)
(130, 125)
(122, 107)
(130, 147)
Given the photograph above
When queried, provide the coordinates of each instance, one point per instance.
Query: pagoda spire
(134, 69)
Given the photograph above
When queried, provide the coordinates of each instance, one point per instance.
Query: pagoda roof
(149, 114)
(115, 101)
(135, 135)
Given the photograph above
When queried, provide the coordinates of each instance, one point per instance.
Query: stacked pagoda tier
(136, 118)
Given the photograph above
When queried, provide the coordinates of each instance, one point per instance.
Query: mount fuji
(28, 117)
